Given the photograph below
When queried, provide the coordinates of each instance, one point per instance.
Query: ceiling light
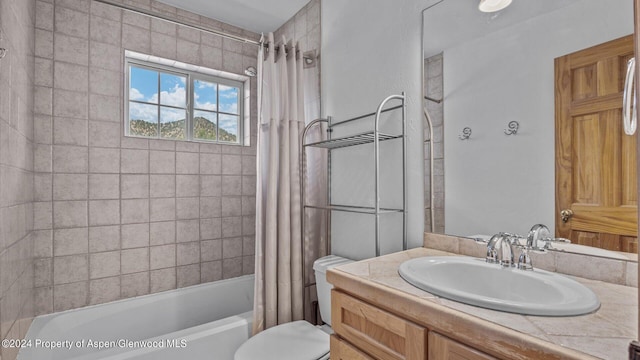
(493, 5)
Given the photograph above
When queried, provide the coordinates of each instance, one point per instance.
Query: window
(175, 102)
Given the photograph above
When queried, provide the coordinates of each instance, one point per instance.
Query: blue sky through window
(143, 85)
(228, 99)
(204, 95)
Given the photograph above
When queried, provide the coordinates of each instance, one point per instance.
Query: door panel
(596, 164)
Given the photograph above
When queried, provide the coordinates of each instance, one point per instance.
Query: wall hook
(512, 128)
(3, 52)
(466, 134)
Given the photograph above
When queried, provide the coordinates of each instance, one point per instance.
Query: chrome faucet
(499, 249)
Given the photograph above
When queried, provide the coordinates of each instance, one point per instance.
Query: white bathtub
(207, 321)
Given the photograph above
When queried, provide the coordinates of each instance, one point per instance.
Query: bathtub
(207, 321)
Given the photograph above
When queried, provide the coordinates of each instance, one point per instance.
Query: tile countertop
(604, 334)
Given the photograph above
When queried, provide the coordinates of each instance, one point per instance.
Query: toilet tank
(323, 288)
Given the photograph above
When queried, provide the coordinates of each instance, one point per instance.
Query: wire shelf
(358, 139)
(355, 209)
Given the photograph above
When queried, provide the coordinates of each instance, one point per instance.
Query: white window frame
(192, 73)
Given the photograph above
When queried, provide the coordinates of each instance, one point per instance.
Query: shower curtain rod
(308, 59)
(192, 26)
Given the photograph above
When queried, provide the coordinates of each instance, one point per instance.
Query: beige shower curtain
(279, 285)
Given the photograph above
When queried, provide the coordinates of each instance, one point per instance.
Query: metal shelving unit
(375, 137)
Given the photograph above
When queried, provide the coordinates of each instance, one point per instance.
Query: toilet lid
(298, 340)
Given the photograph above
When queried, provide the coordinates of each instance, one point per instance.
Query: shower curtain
(279, 286)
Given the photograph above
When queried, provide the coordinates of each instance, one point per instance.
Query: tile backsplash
(117, 216)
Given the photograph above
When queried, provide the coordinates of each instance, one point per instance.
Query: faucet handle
(524, 260)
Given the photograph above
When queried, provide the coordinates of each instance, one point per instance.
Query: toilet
(298, 340)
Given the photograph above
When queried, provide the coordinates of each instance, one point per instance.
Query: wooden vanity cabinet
(364, 331)
(441, 347)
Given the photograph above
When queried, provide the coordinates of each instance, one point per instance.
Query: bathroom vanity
(377, 315)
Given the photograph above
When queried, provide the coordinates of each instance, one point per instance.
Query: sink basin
(473, 281)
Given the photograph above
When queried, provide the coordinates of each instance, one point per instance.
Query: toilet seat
(298, 340)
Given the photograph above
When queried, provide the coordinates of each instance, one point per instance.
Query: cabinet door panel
(382, 334)
(341, 350)
(443, 348)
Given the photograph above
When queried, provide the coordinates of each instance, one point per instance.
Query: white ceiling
(254, 15)
(452, 22)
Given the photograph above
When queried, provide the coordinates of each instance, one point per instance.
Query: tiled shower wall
(16, 170)
(118, 217)
(433, 84)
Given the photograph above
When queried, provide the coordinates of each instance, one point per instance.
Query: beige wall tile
(104, 290)
(105, 108)
(134, 211)
(70, 187)
(188, 253)
(210, 185)
(103, 160)
(163, 233)
(104, 186)
(162, 186)
(70, 241)
(187, 208)
(231, 248)
(68, 269)
(188, 275)
(69, 214)
(187, 230)
(187, 163)
(70, 159)
(70, 77)
(105, 30)
(104, 264)
(68, 131)
(231, 164)
(134, 186)
(231, 227)
(210, 164)
(71, 22)
(162, 209)
(104, 134)
(70, 296)
(104, 238)
(135, 235)
(134, 284)
(162, 162)
(187, 185)
(210, 229)
(163, 256)
(211, 250)
(70, 104)
(231, 268)
(136, 39)
(211, 271)
(134, 161)
(104, 212)
(135, 260)
(105, 56)
(163, 279)
(105, 82)
(231, 206)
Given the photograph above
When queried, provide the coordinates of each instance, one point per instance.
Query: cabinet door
(443, 348)
(341, 350)
(381, 334)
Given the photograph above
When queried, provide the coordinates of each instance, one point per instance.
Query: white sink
(473, 281)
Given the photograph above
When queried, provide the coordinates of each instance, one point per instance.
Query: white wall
(495, 182)
(371, 49)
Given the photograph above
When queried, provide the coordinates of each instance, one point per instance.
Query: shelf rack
(375, 137)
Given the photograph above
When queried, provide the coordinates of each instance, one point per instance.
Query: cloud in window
(135, 94)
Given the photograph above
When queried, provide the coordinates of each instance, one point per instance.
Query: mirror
(484, 75)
